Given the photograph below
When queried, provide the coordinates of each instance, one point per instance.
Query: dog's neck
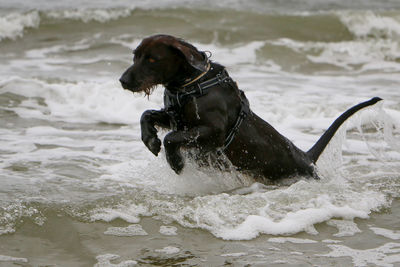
(187, 78)
(192, 81)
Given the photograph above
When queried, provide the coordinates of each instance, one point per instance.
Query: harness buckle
(219, 78)
(200, 89)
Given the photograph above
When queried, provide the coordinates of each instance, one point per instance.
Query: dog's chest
(182, 114)
(174, 109)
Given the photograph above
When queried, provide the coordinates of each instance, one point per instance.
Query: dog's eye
(152, 60)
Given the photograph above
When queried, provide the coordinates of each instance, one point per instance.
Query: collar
(198, 77)
(195, 88)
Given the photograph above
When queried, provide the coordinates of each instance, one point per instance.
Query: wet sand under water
(64, 241)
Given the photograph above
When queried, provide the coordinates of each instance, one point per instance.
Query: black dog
(206, 110)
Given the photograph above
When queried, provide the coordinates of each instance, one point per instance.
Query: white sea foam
(168, 230)
(346, 228)
(374, 54)
(168, 250)
(5, 258)
(130, 214)
(104, 260)
(331, 241)
(237, 254)
(319, 209)
(300, 106)
(48, 51)
(291, 240)
(67, 102)
(395, 235)
(88, 15)
(131, 230)
(281, 211)
(367, 24)
(13, 25)
(280, 262)
(386, 255)
(284, 210)
(6, 230)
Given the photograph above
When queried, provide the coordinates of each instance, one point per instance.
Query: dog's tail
(323, 141)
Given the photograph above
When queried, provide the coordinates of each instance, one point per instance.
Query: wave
(357, 55)
(13, 25)
(321, 26)
(131, 187)
(88, 15)
(79, 102)
(369, 24)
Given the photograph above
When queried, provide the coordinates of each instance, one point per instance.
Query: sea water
(79, 188)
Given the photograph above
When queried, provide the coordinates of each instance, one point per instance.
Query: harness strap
(244, 111)
(197, 89)
(173, 100)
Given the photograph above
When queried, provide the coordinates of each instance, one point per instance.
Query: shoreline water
(78, 187)
(64, 241)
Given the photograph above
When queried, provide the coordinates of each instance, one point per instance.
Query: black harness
(174, 101)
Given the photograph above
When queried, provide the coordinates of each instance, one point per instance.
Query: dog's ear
(194, 57)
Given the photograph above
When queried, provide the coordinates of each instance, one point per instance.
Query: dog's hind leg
(149, 119)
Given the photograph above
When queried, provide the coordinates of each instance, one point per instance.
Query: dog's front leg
(200, 136)
(149, 119)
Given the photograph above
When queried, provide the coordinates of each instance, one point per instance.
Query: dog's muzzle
(127, 84)
(127, 81)
(124, 83)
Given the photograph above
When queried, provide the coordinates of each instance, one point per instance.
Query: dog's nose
(124, 83)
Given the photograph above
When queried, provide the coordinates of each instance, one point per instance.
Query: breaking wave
(360, 24)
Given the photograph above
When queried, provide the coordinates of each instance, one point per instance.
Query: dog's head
(161, 59)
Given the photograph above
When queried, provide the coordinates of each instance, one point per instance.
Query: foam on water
(345, 227)
(286, 210)
(106, 260)
(237, 254)
(74, 140)
(168, 250)
(291, 240)
(385, 255)
(131, 214)
(88, 15)
(82, 102)
(131, 230)
(168, 230)
(184, 199)
(395, 235)
(354, 55)
(369, 24)
(15, 260)
(13, 25)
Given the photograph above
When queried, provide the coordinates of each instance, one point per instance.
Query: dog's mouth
(146, 87)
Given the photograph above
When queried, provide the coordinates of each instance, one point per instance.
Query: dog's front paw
(154, 145)
(176, 162)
